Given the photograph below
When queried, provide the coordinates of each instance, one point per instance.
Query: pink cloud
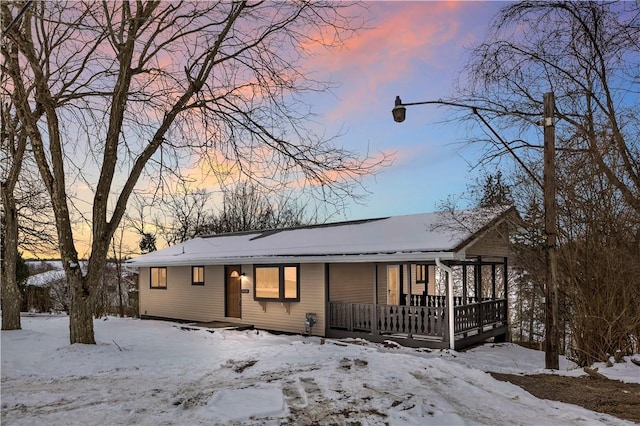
(403, 37)
(396, 28)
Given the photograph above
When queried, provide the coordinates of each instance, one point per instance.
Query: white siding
(181, 299)
(432, 280)
(351, 282)
(494, 243)
(382, 284)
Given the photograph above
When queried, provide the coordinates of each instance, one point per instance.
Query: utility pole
(550, 229)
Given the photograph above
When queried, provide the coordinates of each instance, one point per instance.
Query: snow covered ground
(156, 373)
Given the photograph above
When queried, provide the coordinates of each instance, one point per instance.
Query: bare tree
(247, 206)
(186, 214)
(36, 228)
(14, 142)
(598, 269)
(120, 253)
(587, 53)
(528, 262)
(26, 210)
(137, 88)
(598, 262)
(137, 219)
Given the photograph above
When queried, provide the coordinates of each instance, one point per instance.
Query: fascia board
(349, 258)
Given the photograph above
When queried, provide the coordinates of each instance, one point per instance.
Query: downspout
(449, 271)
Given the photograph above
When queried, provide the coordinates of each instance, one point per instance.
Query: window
(291, 282)
(281, 283)
(421, 274)
(158, 277)
(197, 275)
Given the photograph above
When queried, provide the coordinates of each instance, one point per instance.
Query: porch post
(505, 280)
(410, 290)
(327, 301)
(493, 281)
(480, 298)
(402, 300)
(450, 310)
(479, 280)
(409, 325)
(464, 284)
(374, 311)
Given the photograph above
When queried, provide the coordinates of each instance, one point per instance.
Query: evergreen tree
(494, 191)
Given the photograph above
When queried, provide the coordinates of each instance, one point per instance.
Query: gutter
(449, 271)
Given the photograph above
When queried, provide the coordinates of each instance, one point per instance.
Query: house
(394, 278)
(46, 289)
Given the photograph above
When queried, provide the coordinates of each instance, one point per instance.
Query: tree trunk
(120, 304)
(118, 264)
(11, 298)
(532, 315)
(80, 309)
(520, 314)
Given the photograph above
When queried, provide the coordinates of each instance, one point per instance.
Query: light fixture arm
(400, 104)
(399, 115)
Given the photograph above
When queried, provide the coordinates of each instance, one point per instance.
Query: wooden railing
(415, 320)
(477, 315)
(438, 301)
(418, 320)
(390, 319)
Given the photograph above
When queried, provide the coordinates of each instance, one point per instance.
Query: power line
(17, 18)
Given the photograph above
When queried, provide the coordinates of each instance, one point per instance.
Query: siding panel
(494, 243)
(352, 282)
(181, 300)
(382, 284)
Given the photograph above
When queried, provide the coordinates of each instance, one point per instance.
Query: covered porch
(427, 294)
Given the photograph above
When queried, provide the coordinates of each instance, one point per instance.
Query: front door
(233, 288)
(393, 284)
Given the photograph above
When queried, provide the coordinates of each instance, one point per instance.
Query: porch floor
(462, 341)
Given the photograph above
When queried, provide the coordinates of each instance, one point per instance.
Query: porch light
(235, 274)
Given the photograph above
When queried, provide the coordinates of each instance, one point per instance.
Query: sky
(147, 372)
(415, 50)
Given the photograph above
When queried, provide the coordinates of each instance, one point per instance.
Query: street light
(548, 186)
(399, 111)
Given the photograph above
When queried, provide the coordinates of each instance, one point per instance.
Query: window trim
(281, 283)
(158, 287)
(193, 281)
(424, 269)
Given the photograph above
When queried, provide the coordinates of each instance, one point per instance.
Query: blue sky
(415, 50)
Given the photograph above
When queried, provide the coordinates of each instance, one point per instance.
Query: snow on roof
(397, 236)
(44, 279)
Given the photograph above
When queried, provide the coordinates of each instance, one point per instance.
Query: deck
(420, 326)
